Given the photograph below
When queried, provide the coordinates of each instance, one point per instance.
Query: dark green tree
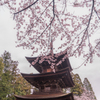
(22, 87)
(2, 94)
(1, 67)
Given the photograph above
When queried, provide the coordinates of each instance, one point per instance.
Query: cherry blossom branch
(59, 21)
(88, 56)
(64, 8)
(96, 13)
(26, 7)
(45, 29)
(88, 23)
(54, 7)
(47, 25)
(5, 2)
(65, 31)
(37, 20)
(86, 30)
(50, 22)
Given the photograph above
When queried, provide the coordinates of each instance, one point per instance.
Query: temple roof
(62, 78)
(65, 63)
(57, 96)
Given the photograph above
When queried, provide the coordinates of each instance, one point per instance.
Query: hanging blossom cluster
(72, 21)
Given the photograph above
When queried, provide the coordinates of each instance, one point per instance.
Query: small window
(49, 70)
(47, 89)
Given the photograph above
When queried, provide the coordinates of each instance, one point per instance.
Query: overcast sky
(7, 42)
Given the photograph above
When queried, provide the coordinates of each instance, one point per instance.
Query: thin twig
(65, 31)
(88, 56)
(96, 13)
(64, 8)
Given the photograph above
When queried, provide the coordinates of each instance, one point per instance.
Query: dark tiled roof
(64, 64)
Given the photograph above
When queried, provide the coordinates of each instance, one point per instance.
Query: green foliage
(22, 87)
(77, 89)
(11, 82)
(7, 60)
(6, 78)
(1, 66)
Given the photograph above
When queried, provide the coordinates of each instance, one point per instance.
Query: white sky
(7, 42)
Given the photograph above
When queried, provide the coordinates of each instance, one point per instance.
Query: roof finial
(51, 47)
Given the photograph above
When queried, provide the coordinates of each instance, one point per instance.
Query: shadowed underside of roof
(62, 77)
(56, 96)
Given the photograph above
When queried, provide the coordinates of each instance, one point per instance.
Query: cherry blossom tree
(72, 22)
(86, 95)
